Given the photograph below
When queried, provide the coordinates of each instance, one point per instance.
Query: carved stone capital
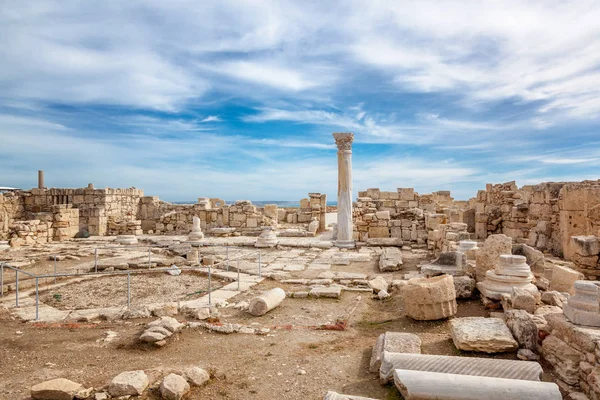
(343, 140)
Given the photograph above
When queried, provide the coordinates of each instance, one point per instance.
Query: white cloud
(212, 118)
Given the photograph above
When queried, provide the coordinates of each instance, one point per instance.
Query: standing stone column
(344, 214)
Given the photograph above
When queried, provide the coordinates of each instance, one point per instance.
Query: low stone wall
(61, 223)
(11, 209)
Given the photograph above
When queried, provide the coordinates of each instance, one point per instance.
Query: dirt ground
(244, 366)
(146, 288)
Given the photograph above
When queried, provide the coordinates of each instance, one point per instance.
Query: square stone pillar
(344, 214)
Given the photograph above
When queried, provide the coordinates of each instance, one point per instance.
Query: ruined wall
(60, 223)
(544, 216)
(11, 209)
(398, 214)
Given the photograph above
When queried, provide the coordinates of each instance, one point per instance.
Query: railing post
(259, 266)
(17, 288)
(128, 290)
(238, 273)
(55, 269)
(37, 299)
(227, 256)
(209, 285)
(96, 260)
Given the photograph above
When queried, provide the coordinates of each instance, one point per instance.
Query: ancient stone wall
(11, 209)
(60, 223)
(544, 216)
(402, 214)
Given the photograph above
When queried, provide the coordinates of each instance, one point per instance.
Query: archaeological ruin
(492, 297)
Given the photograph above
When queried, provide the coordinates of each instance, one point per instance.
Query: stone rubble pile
(157, 331)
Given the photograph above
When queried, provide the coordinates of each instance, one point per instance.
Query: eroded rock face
(563, 357)
(429, 299)
(488, 335)
(55, 389)
(174, 387)
(489, 254)
(128, 383)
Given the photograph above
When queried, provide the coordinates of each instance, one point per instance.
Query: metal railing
(224, 263)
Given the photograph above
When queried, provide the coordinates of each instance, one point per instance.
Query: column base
(345, 244)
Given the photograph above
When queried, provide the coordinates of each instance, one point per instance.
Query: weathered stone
(378, 283)
(174, 387)
(423, 385)
(563, 358)
(563, 279)
(55, 389)
(267, 301)
(196, 234)
(390, 260)
(152, 336)
(393, 342)
(464, 286)
(523, 300)
(452, 263)
(196, 376)
(523, 328)
(527, 355)
(128, 383)
(489, 254)
(554, 298)
(333, 292)
(266, 239)
(488, 335)
(430, 298)
(330, 395)
(168, 323)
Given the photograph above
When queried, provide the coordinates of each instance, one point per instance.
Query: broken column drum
(511, 271)
(266, 302)
(427, 299)
(196, 234)
(466, 245)
(266, 239)
(582, 308)
(344, 213)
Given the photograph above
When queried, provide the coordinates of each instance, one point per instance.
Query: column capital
(343, 140)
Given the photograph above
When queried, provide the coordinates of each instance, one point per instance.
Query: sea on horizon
(261, 203)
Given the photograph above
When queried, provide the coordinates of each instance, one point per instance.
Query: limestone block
(452, 263)
(523, 300)
(331, 395)
(554, 298)
(488, 255)
(196, 376)
(563, 358)
(475, 366)
(464, 286)
(332, 292)
(266, 302)
(523, 328)
(385, 215)
(378, 284)
(379, 232)
(563, 279)
(55, 389)
(390, 259)
(422, 385)
(430, 298)
(174, 387)
(252, 222)
(488, 335)
(128, 383)
(393, 342)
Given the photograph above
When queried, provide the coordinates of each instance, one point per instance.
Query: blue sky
(238, 99)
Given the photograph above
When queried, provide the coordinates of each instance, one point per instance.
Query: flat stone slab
(55, 389)
(333, 292)
(331, 395)
(488, 335)
(393, 342)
